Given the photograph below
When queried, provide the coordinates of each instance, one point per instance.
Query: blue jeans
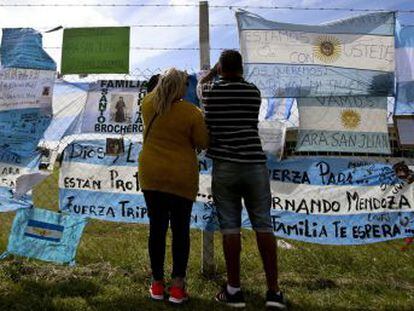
(233, 182)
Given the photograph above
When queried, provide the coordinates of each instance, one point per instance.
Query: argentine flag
(404, 70)
(44, 230)
(348, 57)
(45, 235)
(343, 123)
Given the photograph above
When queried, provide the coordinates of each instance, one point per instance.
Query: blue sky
(221, 37)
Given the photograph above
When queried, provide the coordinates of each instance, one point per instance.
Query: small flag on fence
(45, 235)
(43, 231)
(347, 124)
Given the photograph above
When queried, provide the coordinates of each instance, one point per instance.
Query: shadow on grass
(40, 295)
(35, 296)
(83, 294)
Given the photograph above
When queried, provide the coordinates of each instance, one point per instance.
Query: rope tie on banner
(54, 29)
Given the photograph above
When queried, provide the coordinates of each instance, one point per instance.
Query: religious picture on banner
(114, 107)
(121, 107)
(114, 146)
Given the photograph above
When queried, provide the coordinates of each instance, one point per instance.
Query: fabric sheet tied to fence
(404, 70)
(45, 235)
(343, 123)
(22, 48)
(348, 57)
(11, 168)
(340, 201)
(25, 108)
(327, 201)
(113, 107)
(27, 78)
(96, 185)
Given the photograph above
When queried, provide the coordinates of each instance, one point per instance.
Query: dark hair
(231, 62)
(152, 83)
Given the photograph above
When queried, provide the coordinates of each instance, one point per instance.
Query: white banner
(114, 107)
(342, 200)
(356, 51)
(25, 88)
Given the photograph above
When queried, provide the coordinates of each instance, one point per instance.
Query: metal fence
(69, 100)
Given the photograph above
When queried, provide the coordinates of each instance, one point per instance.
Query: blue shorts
(234, 182)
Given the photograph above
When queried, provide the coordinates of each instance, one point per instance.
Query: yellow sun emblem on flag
(327, 49)
(350, 118)
(41, 232)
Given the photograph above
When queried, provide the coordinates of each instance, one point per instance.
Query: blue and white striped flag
(353, 56)
(43, 230)
(45, 235)
(340, 201)
(404, 70)
(337, 201)
(347, 124)
(98, 185)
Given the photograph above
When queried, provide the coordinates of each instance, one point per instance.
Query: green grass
(112, 273)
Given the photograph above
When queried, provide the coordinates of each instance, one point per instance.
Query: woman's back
(168, 161)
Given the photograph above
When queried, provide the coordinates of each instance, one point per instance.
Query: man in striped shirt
(232, 107)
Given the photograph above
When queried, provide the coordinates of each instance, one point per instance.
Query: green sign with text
(95, 50)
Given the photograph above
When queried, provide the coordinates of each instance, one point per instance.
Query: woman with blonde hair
(168, 174)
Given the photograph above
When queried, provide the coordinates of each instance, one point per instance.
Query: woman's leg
(180, 227)
(158, 212)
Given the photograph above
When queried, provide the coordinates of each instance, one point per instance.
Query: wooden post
(207, 249)
(204, 36)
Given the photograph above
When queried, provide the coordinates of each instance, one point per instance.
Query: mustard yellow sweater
(168, 160)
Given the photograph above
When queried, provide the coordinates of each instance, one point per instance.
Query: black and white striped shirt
(232, 111)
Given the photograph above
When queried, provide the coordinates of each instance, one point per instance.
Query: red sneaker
(157, 290)
(178, 295)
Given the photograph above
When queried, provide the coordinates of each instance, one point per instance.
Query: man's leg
(227, 198)
(257, 198)
(266, 243)
(232, 249)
